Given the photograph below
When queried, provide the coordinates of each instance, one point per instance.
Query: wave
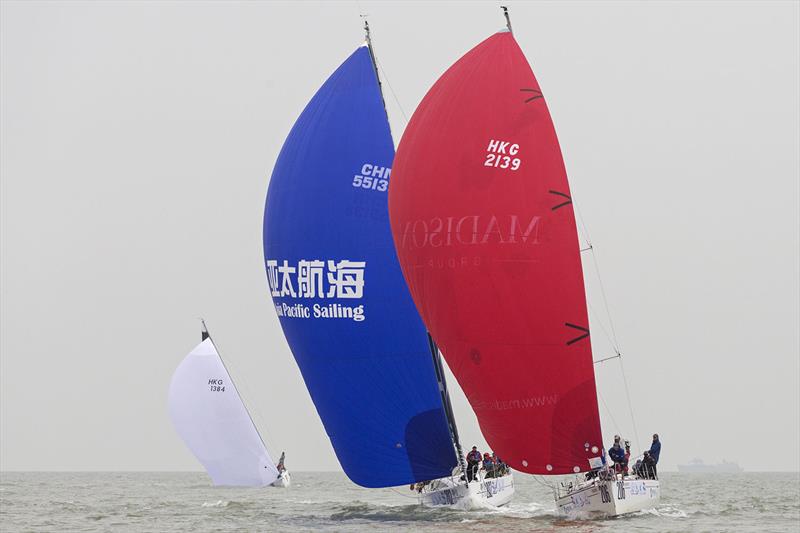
(453, 514)
(380, 512)
(218, 503)
(664, 511)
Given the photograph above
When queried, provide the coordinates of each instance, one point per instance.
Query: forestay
(210, 417)
(483, 222)
(339, 293)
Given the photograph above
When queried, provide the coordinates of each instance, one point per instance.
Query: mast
(368, 39)
(508, 19)
(206, 335)
(448, 408)
(437, 359)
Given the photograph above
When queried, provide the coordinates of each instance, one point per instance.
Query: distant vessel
(697, 466)
(212, 420)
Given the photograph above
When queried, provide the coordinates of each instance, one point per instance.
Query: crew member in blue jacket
(655, 450)
(619, 456)
(488, 465)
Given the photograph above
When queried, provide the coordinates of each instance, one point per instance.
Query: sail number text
(501, 155)
(373, 177)
(216, 385)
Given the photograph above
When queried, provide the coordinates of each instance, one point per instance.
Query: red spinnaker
(484, 228)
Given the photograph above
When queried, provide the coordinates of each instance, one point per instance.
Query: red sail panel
(484, 227)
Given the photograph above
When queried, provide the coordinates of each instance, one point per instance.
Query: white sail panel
(210, 417)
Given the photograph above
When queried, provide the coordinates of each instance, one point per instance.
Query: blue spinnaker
(340, 295)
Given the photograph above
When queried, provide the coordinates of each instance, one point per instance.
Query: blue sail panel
(339, 293)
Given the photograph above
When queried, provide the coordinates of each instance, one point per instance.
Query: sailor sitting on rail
(645, 467)
(500, 468)
(488, 465)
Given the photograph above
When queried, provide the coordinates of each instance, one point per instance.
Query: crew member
(620, 456)
(499, 466)
(280, 466)
(473, 463)
(488, 465)
(655, 452)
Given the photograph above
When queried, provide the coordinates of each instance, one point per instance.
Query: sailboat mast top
(508, 18)
(368, 39)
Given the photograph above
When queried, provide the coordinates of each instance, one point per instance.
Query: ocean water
(165, 502)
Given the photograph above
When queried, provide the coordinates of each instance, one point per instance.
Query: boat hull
(609, 498)
(494, 492)
(284, 480)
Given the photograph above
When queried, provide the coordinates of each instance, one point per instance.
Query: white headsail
(210, 417)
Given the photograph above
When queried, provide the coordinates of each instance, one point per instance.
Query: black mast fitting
(508, 18)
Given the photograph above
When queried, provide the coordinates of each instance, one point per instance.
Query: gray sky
(137, 141)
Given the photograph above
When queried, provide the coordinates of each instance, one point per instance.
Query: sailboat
(212, 420)
(335, 282)
(483, 224)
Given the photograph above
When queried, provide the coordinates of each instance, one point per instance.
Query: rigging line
(233, 384)
(580, 219)
(590, 248)
(630, 405)
(610, 322)
(604, 359)
(542, 482)
(403, 495)
(602, 327)
(617, 348)
(610, 415)
(242, 384)
(605, 299)
(391, 89)
(613, 331)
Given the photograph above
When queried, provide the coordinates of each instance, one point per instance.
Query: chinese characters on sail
(317, 279)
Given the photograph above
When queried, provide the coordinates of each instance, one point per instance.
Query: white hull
(478, 494)
(609, 498)
(284, 480)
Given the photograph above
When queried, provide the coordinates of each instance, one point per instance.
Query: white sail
(210, 417)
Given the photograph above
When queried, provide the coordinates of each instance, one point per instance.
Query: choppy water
(767, 502)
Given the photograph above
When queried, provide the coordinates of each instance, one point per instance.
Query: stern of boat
(484, 492)
(284, 480)
(611, 497)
